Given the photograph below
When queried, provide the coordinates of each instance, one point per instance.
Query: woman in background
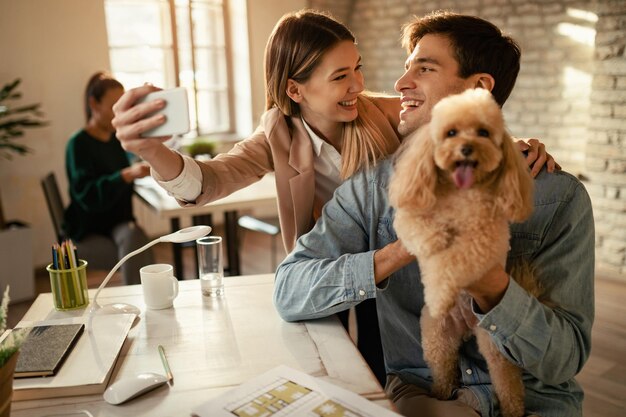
(318, 129)
(100, 215)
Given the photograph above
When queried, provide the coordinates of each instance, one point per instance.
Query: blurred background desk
(260, 195)
(212, 346)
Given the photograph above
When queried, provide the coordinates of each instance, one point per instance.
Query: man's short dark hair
(479, 46)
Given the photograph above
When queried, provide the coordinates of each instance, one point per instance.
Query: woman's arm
(249, 160)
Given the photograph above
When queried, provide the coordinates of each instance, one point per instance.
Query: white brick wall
(571, 91)
(606, 150)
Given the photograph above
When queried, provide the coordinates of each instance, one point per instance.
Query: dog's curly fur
(458, 183)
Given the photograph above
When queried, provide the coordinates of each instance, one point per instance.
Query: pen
(65, 257)
(55, 263)
(71, 254)
(166, 365)
(68, 250)
(57, 252)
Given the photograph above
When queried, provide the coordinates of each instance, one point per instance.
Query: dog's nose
(467, 150)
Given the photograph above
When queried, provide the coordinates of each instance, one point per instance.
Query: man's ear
(293, 91)
(483, 80)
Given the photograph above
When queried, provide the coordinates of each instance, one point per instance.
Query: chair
(99, 250)
(55, 204)
(267, 226)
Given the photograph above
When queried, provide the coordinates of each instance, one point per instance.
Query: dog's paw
(513, 407)
(510, 393)
(443, 390)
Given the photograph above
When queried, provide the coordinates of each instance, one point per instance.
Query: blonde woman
(319, 128)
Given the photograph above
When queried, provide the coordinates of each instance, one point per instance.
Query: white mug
(160, 287)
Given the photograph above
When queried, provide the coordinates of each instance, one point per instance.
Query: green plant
(13, 341)
(201, 146)
(13, 120)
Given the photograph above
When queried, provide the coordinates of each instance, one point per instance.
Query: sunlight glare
(577, 33)
(582, 15)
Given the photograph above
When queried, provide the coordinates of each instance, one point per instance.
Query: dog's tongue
(463, 176)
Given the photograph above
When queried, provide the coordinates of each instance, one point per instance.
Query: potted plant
(200, 148)
(15, 236)
(13, 122)
(9, 350)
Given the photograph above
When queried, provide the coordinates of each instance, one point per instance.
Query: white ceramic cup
(159, 285)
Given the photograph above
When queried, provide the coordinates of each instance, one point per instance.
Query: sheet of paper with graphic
(284, 391)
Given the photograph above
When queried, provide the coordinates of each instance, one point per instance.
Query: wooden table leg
(177, 250)
(232, 243)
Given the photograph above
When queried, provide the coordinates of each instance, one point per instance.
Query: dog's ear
(415, 177)
(515, 189)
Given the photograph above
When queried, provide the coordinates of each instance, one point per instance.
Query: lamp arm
(115, 268)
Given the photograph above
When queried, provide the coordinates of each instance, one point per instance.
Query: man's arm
(332, 267)
(552, 343)
(390, 259)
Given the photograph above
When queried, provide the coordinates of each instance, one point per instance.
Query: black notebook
(45, 349)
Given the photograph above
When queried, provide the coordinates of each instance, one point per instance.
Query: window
(174, 43)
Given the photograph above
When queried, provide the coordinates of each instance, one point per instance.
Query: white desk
(212, 346)
(261, 194)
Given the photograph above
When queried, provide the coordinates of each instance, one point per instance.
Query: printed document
(284, 391)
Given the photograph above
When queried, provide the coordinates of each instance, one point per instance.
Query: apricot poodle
(459, 182)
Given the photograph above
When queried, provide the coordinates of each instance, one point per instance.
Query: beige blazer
(282, 145)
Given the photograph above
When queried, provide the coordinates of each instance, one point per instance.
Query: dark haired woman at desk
(100, 216)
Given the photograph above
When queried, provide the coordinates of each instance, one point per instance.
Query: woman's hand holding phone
(136, 114)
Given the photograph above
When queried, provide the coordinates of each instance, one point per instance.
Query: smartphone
(176, 112)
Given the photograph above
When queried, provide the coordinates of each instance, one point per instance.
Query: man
(353, 254)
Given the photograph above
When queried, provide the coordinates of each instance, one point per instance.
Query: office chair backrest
(55, 203)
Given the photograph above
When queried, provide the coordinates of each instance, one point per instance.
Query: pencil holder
(69, 286)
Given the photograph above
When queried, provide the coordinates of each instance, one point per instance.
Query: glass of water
(210, 266)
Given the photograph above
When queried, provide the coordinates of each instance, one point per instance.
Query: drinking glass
(210, 266)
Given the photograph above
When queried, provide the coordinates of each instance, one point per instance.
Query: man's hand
(490, 289)
(390, 259)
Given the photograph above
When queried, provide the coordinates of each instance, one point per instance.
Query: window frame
(221, 92)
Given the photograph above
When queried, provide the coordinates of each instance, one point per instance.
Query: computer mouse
(131, 387)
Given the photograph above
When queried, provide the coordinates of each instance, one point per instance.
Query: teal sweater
(100, 199)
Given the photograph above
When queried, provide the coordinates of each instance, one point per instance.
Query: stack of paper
(88, 367)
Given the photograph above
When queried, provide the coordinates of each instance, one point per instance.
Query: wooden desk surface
(212, 345)
(259, 194)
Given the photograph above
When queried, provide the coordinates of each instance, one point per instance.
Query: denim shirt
(332, 269)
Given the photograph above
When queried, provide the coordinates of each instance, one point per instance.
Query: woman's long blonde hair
(295, 48)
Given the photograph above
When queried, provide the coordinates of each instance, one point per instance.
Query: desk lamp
(184, 235)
